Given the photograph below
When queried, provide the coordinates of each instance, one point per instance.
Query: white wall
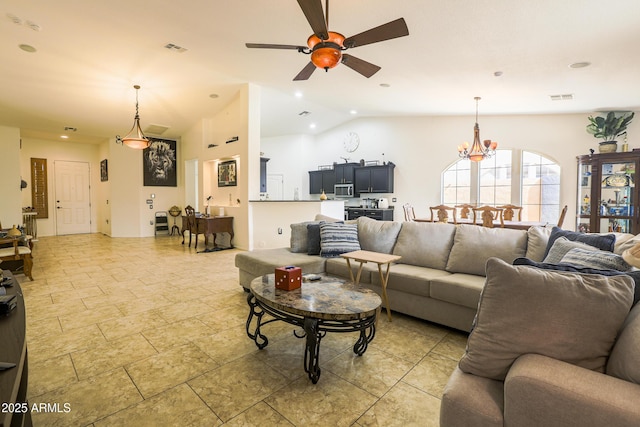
(422, 147)
(291, 156)
(56, 151)
(10, 171)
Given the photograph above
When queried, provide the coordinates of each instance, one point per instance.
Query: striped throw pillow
(336, 239)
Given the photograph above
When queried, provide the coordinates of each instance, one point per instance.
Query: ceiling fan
(326, 47)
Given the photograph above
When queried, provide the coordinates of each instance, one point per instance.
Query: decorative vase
(323, 196)
(608, 146)
(14, 232)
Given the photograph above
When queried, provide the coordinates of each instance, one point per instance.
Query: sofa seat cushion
(377, 236)
(460, 289)
(409, 279)
(265, 261)
(425, 244)
(566, 316)
(338, 267)
(474, 245)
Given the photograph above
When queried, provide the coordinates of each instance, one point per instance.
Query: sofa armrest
(543, 391)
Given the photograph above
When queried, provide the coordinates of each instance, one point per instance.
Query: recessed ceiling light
(385, 85)
(27, 48)
(312, 125)
(580, 64)
(64, 136)
(353, 112)
(298, 94)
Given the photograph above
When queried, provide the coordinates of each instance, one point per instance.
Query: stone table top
(329, 298)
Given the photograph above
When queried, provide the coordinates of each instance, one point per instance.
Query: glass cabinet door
(584, 198)
(615, 206)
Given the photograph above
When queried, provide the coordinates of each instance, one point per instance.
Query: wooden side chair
(509, 212)
(15, 249)
(489, 215)
(562, 215)
(192, 225)
(465, 210)
(409, 213)
(440, 213)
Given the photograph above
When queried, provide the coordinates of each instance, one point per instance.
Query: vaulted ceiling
(515, 54)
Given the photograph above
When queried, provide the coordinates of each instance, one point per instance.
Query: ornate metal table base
(313, 329)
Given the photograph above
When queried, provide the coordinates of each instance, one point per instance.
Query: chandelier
(478, 151)
(135, 138)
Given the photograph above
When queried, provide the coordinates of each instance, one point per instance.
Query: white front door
(73, 206)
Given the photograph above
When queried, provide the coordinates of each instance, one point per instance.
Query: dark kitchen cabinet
(344, 172)
(322, 180)
(379, 214)
(374, 179)
(263, 174)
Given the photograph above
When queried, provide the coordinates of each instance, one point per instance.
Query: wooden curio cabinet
(607, 193)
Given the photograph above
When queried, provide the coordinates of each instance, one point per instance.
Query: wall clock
(351, 142)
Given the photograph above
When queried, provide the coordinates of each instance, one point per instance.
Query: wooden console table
(211, 225)
(13, 349)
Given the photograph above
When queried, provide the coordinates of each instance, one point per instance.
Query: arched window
(522, 178)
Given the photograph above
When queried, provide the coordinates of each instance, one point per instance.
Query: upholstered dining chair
(489, 215)
(409, 213)
(562, 215)
(509, 212)
(440, 213)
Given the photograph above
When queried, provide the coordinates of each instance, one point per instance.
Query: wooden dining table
(210, 226)
(515, 225)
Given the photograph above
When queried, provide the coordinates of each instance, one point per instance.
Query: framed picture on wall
(104, 172)
(227, 176)
(159, 163)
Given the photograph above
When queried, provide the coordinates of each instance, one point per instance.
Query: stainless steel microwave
(343, 190)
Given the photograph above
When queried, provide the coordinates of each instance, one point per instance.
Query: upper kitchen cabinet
(374, 179)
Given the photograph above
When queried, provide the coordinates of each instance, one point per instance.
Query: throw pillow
(570, 317)
(337, 238)
(601, 260)
(560, 248)
(377, 236)
(624, 362)
(313, 238)
(634, 274)
(299, 240)
(537, 238)
(605, 242)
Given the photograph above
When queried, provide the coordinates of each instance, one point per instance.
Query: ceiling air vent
(304, 113)
(563, 97)
(175, 47)
(156, 129)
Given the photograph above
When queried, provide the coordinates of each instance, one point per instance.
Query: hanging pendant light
(135, 138)
(478, 151)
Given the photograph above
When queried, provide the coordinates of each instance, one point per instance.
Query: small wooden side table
(381, 259)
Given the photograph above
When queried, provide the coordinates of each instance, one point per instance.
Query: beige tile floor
(146, 332)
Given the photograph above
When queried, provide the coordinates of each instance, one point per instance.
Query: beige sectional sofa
(439, 277)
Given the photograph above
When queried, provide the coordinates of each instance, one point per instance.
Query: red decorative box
(288, 278)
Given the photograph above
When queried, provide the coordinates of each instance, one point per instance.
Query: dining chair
(562, 215)
(409, 213)
(510, 211)
(440, 213)
(465, 210)
(15, 249)
(489, 215)
(192, 224)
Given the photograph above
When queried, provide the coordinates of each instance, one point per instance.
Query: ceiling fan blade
(312, 9)
(306, 72)
(274, 46)
(390, 30)
(365, 68)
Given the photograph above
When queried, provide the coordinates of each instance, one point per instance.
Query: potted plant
(608, 128)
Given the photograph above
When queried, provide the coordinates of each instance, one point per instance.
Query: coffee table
(330, 304)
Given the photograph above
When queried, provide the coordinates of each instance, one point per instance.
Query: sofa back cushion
(474, 245)
(377, 236)
(566, 316)
(425, 244)
(624, 361)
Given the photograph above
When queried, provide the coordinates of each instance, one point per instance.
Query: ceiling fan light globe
(326, 57)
